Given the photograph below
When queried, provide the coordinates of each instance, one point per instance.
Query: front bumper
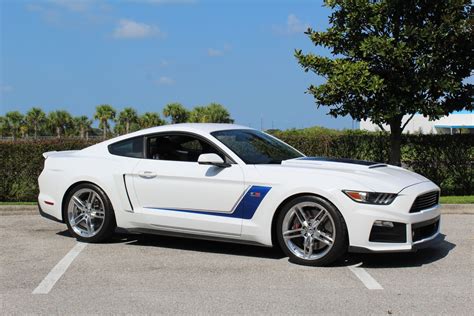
(413, 230)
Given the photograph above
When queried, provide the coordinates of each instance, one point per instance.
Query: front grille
(425, 229)
(425, 201)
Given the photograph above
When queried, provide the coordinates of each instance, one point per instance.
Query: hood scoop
(323, 161)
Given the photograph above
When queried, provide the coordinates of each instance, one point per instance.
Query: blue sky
(74, 55)
(77, 54)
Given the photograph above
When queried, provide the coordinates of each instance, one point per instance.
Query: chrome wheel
(86, 212)
(308, 230)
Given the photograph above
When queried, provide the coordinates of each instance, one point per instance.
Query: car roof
(198, 128)
(192, 127)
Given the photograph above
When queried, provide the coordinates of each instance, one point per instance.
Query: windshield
(255, 147)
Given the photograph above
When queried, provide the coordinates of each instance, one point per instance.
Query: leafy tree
(394, 58)
(14, 120)
(104, 113)
(127, 117)
(83, 125)
(60, 121)
(35, 118)
(213, 113)
(150, 119)
(177, 112)
(3, 126)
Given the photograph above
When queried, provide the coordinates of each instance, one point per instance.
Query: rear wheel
(311, 231)
(89, 214)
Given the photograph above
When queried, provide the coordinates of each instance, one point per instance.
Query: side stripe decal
(246, 208)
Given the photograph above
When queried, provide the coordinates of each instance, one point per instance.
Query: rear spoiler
(48, 153)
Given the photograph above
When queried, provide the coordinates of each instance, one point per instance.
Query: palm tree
(60, 121)
(83, 124)
(199, 115)
(177, 112)
(218, 113)
(127, 117)
(104, 113)
(14, 121)
(35, 118)
(150, 119)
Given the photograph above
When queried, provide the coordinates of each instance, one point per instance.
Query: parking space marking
(55, 274)
(365, 277)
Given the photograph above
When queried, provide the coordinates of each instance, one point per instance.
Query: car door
(177, 193)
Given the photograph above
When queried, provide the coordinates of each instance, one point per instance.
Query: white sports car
(233, 183)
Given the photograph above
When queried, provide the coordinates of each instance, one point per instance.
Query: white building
(454, 123)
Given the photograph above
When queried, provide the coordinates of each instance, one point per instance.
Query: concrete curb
(6, 210)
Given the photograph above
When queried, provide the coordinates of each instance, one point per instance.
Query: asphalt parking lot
(144, 274)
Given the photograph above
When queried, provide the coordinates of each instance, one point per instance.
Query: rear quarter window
(128, 148)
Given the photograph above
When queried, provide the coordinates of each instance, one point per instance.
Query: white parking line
(365, 277)
(55, 274)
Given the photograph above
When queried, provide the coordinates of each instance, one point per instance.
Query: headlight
(378, 198)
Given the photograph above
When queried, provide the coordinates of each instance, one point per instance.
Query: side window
(177, 148)
(128, 148)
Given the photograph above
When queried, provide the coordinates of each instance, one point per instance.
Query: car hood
(376, 176)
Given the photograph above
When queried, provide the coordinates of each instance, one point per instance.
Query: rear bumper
(48, 216)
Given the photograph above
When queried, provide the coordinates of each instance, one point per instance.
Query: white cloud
(217, 52)
(212, 52)
(165, 81)
(5, 88)
(74, 5)
(293, 26)
(128, 29)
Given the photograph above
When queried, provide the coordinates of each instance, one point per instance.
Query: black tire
(339, 247)
(109, 223)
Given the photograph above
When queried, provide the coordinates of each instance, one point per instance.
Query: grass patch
(18, 203)
(464, 199)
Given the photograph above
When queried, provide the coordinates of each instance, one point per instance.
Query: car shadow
(400, 259)
(380, 260)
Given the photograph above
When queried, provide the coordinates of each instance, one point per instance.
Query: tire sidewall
(107, 228)
(340, 244)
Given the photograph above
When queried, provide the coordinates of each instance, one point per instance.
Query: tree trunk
(36, 132)
(82, 132)
(58, 132)
(395, 141)
(127, 127)
(105, 131)
(87, 135)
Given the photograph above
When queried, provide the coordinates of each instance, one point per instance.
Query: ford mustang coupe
(233, 183)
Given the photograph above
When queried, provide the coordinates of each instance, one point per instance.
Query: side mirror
(213, 160)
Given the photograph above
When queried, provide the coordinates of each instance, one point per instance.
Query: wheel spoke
(325, 238)
(301, 216)
(92, 196)
(289, 234)
(78, 203)
(307, 246)
(89, 226)
(98, 214)
(79, 219)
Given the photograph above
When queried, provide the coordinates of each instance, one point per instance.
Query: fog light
(383, 224)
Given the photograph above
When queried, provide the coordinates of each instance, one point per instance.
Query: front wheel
(89, 214)
(311, 231)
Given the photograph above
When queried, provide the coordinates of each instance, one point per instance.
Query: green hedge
(445, 159)
(21, 163)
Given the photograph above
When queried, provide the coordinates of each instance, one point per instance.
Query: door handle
(147, 174)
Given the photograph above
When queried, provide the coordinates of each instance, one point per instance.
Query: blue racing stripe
(246, 208)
